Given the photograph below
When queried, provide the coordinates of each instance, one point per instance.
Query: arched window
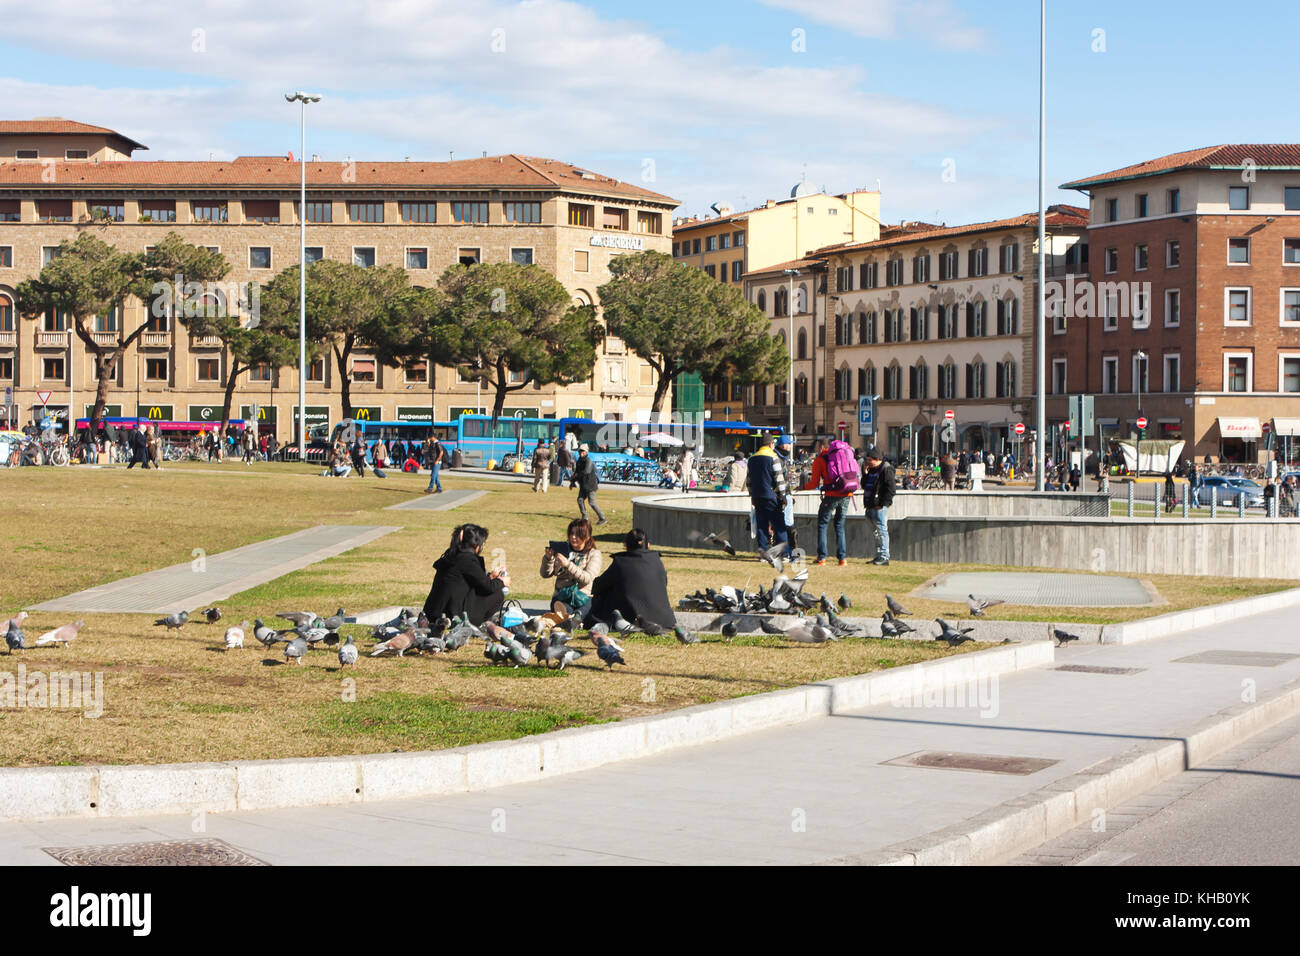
(780, 302)
(802, 352)
(918, 380)
(6, 313)
(801, 390)
(948, 380)
(761, 301)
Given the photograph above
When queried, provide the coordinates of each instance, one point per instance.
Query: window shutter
(1002, 317)
(970, 263)
(1014, 323)
(1011, 380)
(970, 320)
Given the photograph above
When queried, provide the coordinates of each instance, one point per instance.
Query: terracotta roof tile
(1230, 156)
(57, 125)
(1058, 215)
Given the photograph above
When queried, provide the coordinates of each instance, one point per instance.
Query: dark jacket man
(585, 475)
(636, 584)
(878, 486)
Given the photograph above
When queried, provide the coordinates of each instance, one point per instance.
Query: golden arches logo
(362, 414)
(155, 412)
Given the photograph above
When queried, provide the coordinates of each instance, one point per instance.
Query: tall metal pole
(1041, 350)
(789, 345)
(302, 289)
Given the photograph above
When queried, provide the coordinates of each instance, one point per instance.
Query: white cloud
(940, 20)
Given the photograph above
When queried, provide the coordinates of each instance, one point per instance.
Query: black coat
(139, 447)
(878, 490)
(637, 585)
(461, 585)
(585, 477)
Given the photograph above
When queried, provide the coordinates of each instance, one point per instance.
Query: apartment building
(59, 178)
(1190, 310)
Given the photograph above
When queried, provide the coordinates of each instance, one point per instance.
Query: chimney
(769, 204)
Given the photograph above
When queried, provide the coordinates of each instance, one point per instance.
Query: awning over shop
(363, 365)
(1286, 426)
(1244, 428)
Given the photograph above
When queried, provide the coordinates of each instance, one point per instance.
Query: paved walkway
(1041, 588)
(453, 498)
(795, 794)
(215, 577)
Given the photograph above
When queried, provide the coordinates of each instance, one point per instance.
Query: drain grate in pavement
(982, 763)
(202, 852)
(1098, 669)
(1241, 658)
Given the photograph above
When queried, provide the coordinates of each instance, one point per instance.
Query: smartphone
(561, 547)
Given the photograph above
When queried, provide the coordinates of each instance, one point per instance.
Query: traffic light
(906, 431)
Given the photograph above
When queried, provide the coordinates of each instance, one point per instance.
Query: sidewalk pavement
(797, 794)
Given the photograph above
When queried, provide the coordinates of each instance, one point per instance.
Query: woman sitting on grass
(463, 586)
(573, 571)
(635, 584)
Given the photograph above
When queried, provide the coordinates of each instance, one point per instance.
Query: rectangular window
(1236, 306)
(110, 210)
(711, 271)
(947, 265)
(867, 275)
(260, 373)
(920, 268)
(725, 240)
(209, 370)
(417, 258)
(1110, 375)
(1290, 307)
(52, 369)
(363, 256)
(157, 210)
(1140, 257)
(1291, 197)
(1171, 363)
(1289, 374)
(695, 247)
(1172, 254)
(1238, 197)
(581, 260)
(209, 210)
(6, 316)
(1239, 251)
(416, 372)
(155, 369)
(26, 154)
(107, 321)
(1110, 313)
(1140, 206)
(11, 210)
(313, 254)
(894, 272)
(1139, 377)
(581, 214)
(259, 257)
(722, 272)
(1291, 252)
(613, 218)
(977, 263)
(1236, 372)
(1009, 257)
(1173, 201)
(6, 370)
(1112, 210)
(365, 212)
(76, 154)
(469, 257)
(710, 243)
(1173, 307)
(320, 211)
(54, 210)
(1058, 376)
(1111, 258)
(262, 210)
(524, 213)
(737, 270)
(523, 257)
(49, 254)
(316, 370)
(421, 211)
(1141, 309)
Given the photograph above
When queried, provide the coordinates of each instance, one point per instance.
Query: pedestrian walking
(564, 458)
(380, 455)
(587, 480)
(541, 466)
(248, 446)
(358, 451)
(768, 491)
(1171, 492)
(139, 448)
(878, 489)
(686, 466)
(433, 459)
(153, 441)
(835, 472)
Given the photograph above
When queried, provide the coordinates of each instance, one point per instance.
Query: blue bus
(481, 440)
(712, 439)
(391, 431)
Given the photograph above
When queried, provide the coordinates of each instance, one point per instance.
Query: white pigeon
(348, 653)
(60, 635)
(16, 620)
(235, 636)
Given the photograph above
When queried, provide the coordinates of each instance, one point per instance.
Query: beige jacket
(582, 570)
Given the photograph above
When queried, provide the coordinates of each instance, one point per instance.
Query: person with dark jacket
(878, 489)
(768, 491)
(635, 584)
(587, 481)
(139, 448)
(462, 584)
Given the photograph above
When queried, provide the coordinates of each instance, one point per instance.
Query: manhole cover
(983, 763)
(1097, 669)
(1241, 658)
(159, 853)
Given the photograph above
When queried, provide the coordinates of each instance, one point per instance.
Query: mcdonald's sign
(368, 413)
(265, 413)
(157, 413)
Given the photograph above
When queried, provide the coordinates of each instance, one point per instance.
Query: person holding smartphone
(574, 565)
(463, 585)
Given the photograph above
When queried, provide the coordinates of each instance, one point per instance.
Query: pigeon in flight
(773, 556)
(348, 653)
(978, 605)
(295, 650)
(175, 621)
(60, 635)
(235, 636)
(299, 618)
(607, 651)
(895, 608)
(721, 542)
(1063, 637)
(212, 615)
(15, 638)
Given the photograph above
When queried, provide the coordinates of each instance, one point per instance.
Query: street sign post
(1020, 428)
(866, 416)
(1141, 424)
(949, 415)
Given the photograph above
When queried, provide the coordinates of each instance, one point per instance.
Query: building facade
(1189, 314)
(59, 178)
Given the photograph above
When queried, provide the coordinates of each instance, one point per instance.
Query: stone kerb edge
(1164, 625)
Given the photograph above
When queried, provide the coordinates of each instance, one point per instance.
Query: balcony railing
(205, 341)
(155, 340)
(51, 340)
(8, 340)
(105, 339)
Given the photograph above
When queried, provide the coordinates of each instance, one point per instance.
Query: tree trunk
(661, 390)
(231, 379)
(345, 382)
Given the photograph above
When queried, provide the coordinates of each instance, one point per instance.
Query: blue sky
(729, 100)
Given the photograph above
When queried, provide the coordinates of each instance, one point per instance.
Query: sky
(729, 101)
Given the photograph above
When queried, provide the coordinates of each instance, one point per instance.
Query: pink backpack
(842, 474)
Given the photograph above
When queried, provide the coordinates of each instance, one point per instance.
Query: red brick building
(1186, 305)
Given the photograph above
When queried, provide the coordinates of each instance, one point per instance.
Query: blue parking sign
(866, 416)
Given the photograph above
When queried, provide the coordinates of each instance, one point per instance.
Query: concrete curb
(41, 793)
(1025, 822)
(1164, 625)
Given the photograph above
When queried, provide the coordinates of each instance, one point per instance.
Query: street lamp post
(1142, 374)
(789, 345)
(303, 99)
(1041, 323)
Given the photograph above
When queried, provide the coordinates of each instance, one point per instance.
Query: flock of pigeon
(17, 640)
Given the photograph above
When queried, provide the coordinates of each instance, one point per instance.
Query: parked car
(1227, 489)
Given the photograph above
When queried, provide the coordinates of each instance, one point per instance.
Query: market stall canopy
(1247, 428)
(1286, 426)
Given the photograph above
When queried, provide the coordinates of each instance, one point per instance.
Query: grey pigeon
(978, 605)
(496, 653)
(729, 629)
(767, 627)
(266, 635)
(684, 636)
(1063, 637)
(60, 635)
(844, 602)
(235, 636)
(15, 638)
(721, 542)
(805, 634)
(348, 653)
(895, 608)
(900, 625)
(457, 637)
(621, 624)
(650, 627)
(171, 621)
(954, 636)
(314, 635)
(887, 626)
(607, 652)
(212, 614)
(334, 621)
(299, 618)
(548, 653)
(296, 649)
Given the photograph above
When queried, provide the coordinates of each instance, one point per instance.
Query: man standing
(541, 466)
(433, 456)
(358, 451)
(686, 466)
(564, 458)
(768, 491)
(878, 494)
(835, 472)
(587, 481)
